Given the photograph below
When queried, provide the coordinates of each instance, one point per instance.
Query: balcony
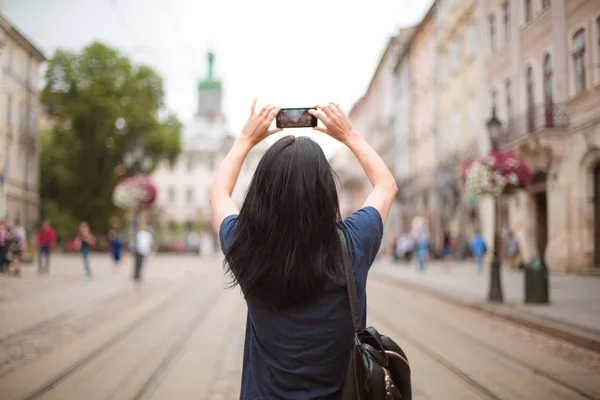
(539, 119)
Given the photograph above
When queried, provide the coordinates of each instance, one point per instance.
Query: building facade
(460, 125)
(422, 193)
(402, 120)
(374, 117)
(542, 74)
(19, 119)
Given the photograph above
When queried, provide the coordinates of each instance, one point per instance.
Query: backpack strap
(350, 282)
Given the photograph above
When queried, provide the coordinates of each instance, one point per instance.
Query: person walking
(4, 242)
(143, 248)
(46, 242)
(285, 249)
(116, 246)
(446, 250)
(422, 247)
(85, 241)
(18, 244)
(478, 248)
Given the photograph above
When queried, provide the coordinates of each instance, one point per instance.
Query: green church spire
(210, 82)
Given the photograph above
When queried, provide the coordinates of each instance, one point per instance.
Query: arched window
(528, 10)
(579, 60)
(530, 100)
(548, 92)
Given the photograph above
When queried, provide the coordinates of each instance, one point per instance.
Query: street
(179, 335)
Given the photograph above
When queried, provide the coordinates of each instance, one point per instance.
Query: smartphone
(295, 118)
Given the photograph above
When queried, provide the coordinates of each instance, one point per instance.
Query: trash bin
(536, 282)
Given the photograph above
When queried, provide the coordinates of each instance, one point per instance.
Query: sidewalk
(573, 313)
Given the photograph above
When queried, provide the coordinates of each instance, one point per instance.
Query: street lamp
(494, 128)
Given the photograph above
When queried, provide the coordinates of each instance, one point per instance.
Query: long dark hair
(286, 243)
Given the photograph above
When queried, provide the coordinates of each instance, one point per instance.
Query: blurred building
(542, 66)
(374, 117)
(19, 118)
(402, 120)
(460, 125)
(422, 191)
(184, 186)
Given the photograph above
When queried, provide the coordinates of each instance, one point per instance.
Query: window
(472, 118)
(9, 62)
(492, 23)
(508, 93)
(548, 92)
(455, 54)
(545, 4)
(189, 195)
(171, 195)
(579, 60)
(9, 110)
(32, 123)
(528, 11)
(22, 73)
(471, 39)
(20, 163)
(190, 164)
(33, 76)
(32, 176)
(506, 18)
(494, 98)
(22, 117)
(530, 99)
(456, 129)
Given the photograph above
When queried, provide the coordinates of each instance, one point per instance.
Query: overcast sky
(293, 54)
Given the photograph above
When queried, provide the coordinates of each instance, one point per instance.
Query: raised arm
(338, 126)
(255, 130)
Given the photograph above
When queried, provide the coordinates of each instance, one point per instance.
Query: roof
(21, 39)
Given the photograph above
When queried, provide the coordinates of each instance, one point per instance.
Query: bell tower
(209, 93)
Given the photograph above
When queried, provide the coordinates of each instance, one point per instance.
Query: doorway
(538, 190)
(597, 216)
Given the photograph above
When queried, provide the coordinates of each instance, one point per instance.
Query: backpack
(378, 368)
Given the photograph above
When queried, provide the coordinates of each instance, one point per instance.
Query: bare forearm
(377, 172)
(229, 170)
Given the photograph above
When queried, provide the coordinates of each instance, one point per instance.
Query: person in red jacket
(46, 242)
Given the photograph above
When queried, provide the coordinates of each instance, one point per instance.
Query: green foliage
(65, 225)
(174, 227)
(86, 93)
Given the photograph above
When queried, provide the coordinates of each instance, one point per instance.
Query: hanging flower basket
(134, 192)
(495, 174)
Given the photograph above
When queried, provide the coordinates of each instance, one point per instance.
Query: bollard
(536, 282)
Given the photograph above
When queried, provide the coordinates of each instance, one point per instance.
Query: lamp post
(494, 128)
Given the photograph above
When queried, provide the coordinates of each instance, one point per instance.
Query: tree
(101, 105)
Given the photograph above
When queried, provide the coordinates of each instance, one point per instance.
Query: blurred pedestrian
(116, 245)
(18, 239)
(85, 241)
(46, 242)
(478, 248)
(422, 247)
(3, 247)
(513, 250)
(446, 250)
(143, 247)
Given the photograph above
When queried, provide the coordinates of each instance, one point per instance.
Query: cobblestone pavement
(179, 335)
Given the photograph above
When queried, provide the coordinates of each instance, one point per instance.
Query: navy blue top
(303, 352)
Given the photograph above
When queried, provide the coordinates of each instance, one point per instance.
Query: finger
(272, 131)
(331, 110)
(338, 107)
(262, 110)
(253, 106)
(320, 129)
(321, 116)
(274, 113)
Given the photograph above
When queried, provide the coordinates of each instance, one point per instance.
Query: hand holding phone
(295, 118)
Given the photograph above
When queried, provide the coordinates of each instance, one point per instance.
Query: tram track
(122, 334)
(422, 312)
